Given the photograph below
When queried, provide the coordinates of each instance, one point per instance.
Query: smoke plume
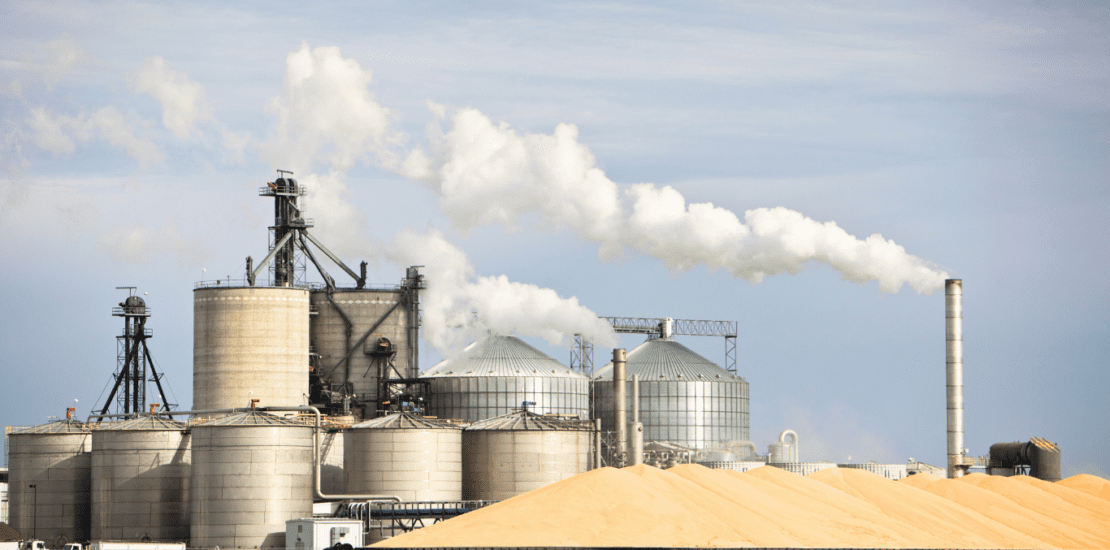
(485, 173)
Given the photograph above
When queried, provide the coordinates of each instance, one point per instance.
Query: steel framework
(581, 355)
(133, 358)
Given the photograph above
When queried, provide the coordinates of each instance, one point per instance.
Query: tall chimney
(954, 332)
(620, 414)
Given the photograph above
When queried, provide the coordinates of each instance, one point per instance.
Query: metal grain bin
(56, 459)
(521, 451)
(685, 399)
(365, 309)
(403, 454)
(495, 375)
(140, 481)
(249, 343)
(251, 473)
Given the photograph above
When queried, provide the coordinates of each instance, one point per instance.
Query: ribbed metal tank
(364, 308)
(889, 471)
(140, 481)
(495, 375)
(406, 455)
(515, 453)
(736, 465)
(684, 398)
(249, 343)
(251, 472)
(803, 468)
(55, 458)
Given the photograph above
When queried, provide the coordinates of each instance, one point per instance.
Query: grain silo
(497, 374)
(140, 480)
(521, 451)
(685, 399)
(406, 455)
(49, 483)
(252, 471)
(349, 364)
(249, 343)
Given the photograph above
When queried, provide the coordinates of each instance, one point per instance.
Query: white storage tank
(497, 374)
(249, 343)
(56, 459)
(685, 399)
(414, 458)
(252, 472)
(140, 481)
(515, 453)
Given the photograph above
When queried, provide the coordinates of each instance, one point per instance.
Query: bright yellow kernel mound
(694, 506)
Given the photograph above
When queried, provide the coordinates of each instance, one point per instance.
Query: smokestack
(954, 330)
(620, 414)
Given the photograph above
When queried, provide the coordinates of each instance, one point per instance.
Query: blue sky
(564, 157)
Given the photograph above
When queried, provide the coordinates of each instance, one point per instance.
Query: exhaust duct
(954, 331)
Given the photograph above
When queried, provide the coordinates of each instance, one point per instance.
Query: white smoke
(55, 133)
(486, 173)
(460, 306)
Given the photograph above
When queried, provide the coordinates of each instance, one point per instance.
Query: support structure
(582, 355)
(133, 359)
(289, 234)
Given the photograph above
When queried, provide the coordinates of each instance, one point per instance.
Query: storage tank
(685, 399)
(55, 458)
(332, 336)
(497, 374)
(252, 471)
(331, 461)
(249, 343)
(521, 451)
(406, 455)
(140, 480)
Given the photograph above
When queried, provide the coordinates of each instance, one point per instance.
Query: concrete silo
(49, 483)
(140, 480)
(521, 451)
(250, 343)
(403, 454)
(497, 374)
(252, 471)
(685, 399)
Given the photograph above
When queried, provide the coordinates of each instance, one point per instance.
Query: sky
(810, 171)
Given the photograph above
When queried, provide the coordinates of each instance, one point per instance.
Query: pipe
(635, 398)
(954, 356)
(636, 428)
(620, 405)
(597, 443)
(318, 492)
(667, 328)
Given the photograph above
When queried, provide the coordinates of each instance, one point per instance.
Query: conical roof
(144, 424)
(497, 355)
(405, 420)
(64, 426)
(252, 418)
(665, 359)
(529, 421)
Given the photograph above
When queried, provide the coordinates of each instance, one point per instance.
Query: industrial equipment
(1037, 457)
(133, 359)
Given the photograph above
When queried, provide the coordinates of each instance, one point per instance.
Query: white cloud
(59, 57)
(183, 103)
(49, 133)
(119, 132)
(326, 112)
(486, 173)
(138, 244)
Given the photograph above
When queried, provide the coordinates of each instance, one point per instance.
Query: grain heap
(1088, 484)
(691, 505)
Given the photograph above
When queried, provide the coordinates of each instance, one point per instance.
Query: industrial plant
(312, 424)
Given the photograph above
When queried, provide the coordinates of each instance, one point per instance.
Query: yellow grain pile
(692, 506)
(1088, 484)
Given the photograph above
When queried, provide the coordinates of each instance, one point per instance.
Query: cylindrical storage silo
(343, 316)
(331, 461)
(521, 451)
(685, 399)
(54, 458)
(251, 472)
(249, 343)
(417, 459)
(140, 481)
(497, 374)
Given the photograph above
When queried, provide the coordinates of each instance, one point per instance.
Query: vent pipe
(620, 414)
(636, 428)
(954, 331)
